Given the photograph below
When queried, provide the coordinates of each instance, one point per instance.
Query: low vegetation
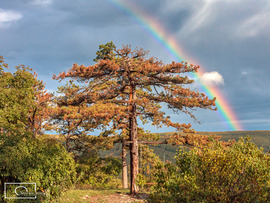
(239, 173)
(45, 163)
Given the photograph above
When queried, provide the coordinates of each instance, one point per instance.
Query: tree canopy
(23, 101)
(111, 82)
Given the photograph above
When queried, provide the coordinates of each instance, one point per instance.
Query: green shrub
(239, 173)
(97, 172)
(45, 163)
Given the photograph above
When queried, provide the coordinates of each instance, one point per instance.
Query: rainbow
(171, 45)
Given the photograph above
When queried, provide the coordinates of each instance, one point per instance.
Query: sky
(229, 39)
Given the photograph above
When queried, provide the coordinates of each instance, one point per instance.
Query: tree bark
(67, 143)
(124, 163)
(134, 143)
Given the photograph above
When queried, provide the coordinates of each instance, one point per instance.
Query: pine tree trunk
(124, 163)
(133, 145)
(67, 144)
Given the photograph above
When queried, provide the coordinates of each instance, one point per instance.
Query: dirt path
(116, 198)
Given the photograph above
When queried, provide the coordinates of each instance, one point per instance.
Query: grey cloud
(98, 14)
(51, 37)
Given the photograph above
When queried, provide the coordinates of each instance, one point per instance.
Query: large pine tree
(135, 86)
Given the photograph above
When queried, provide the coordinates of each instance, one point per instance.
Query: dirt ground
(116, 198)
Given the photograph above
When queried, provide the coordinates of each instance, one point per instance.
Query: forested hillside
(167, 152)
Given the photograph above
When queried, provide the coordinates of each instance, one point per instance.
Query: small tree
(23, 113)
(136, 85)
(23, 101)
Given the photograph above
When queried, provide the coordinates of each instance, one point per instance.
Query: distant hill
(167, 152)
(260, 137)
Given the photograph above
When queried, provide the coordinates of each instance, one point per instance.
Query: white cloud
(228, 17)
(212, 78)
(200, 18)
(254, 25)
(7, 17)
(204, 13)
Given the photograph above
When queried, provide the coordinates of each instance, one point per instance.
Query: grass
(81, 196)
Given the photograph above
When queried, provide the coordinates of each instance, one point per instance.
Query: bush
(45, 163)
(239, 173)
(97, 172)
